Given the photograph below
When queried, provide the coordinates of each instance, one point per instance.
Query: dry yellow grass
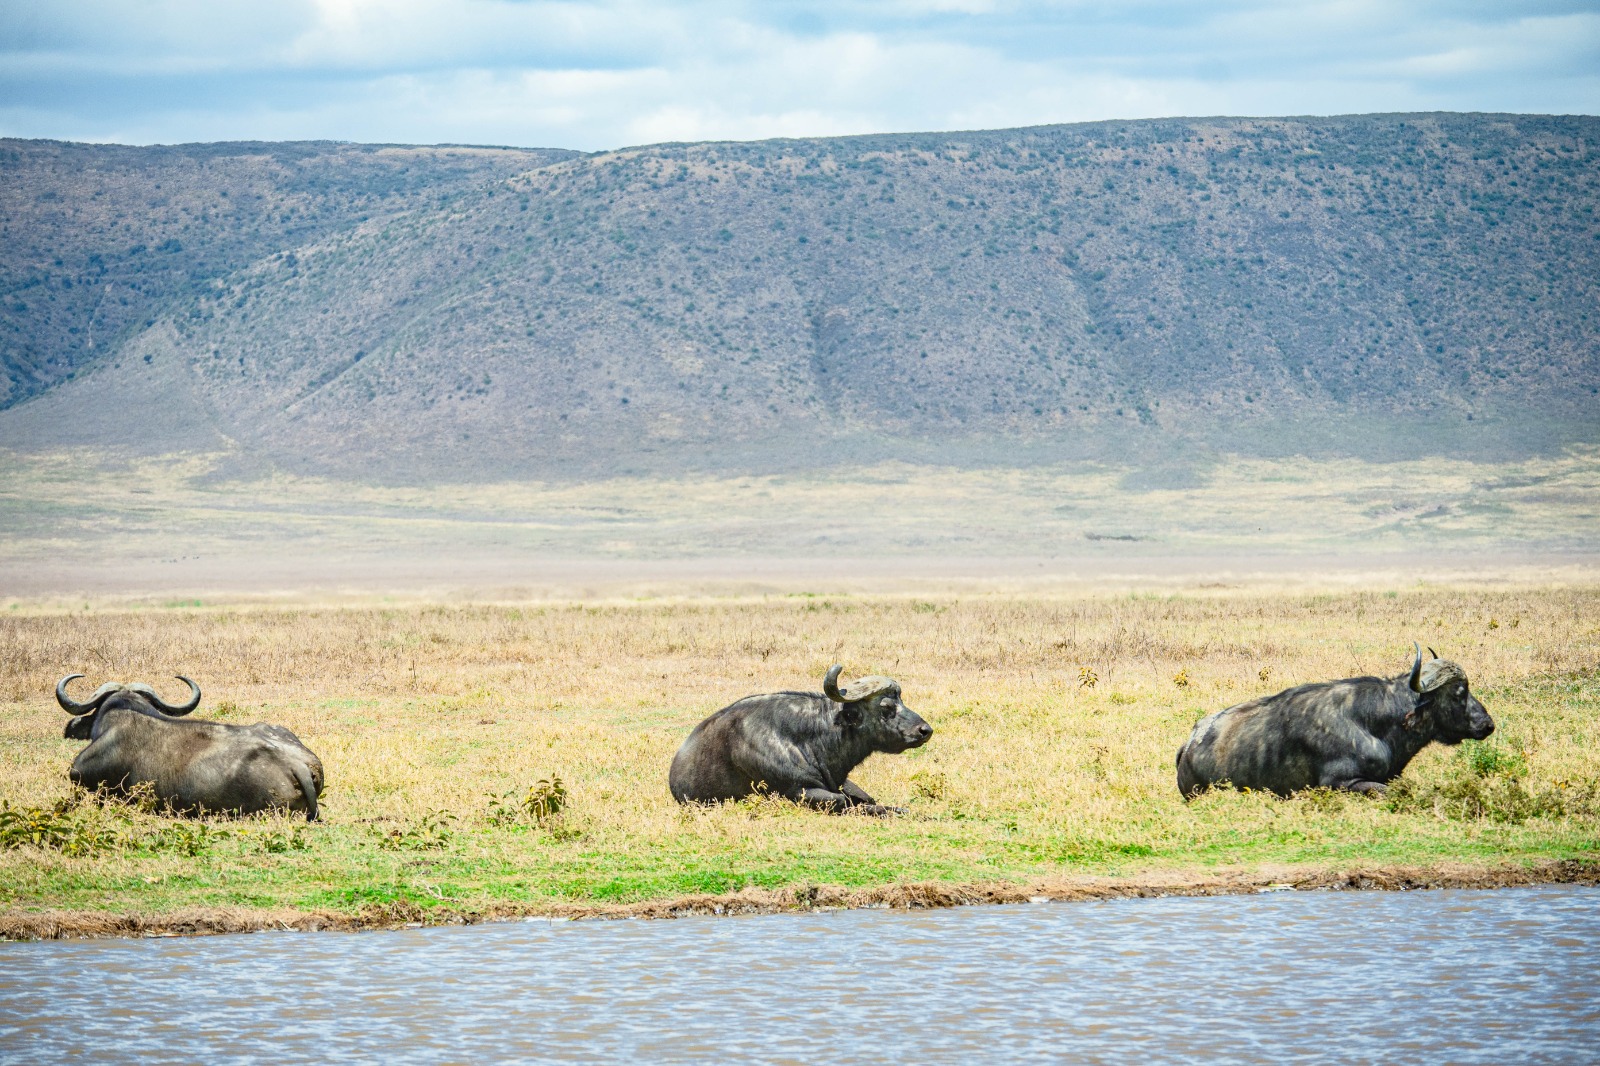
(1030, 774)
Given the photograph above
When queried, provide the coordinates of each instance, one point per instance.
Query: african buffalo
(136, 737)
(799, 745)
(1357, 734)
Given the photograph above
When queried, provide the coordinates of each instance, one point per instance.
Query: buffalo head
(872, 706)
(1444, 703)
(115, 694)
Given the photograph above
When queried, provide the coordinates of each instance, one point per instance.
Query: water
(1457, 976)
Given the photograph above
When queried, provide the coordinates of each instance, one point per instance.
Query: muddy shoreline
(85, 925)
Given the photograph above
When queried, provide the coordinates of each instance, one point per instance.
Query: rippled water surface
(1503, 976)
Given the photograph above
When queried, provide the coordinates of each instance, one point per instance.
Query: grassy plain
(434, 721)
(191, 526)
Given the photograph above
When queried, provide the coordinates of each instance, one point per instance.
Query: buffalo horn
(166, 708)
(830, 684)
(1416, 669)
(1432, 654)
(72, 706)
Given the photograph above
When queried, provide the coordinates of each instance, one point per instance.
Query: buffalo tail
(308, 788)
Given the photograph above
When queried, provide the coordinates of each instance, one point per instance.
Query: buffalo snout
(1479, 724)
(916, 733)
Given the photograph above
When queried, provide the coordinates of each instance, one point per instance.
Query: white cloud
(605, 73)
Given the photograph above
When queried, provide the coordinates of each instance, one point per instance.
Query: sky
(599, 74)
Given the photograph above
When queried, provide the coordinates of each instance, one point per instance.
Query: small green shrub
(183, 838)
(543, 801)
(278, 841)
(930, 784)
(58, 827)
(1488, 784)
(1482, 758)
(431, 832)
(1466, 798)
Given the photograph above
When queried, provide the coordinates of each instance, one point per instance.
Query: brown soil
(63, 925)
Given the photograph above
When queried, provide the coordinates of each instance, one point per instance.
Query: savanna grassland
(495, 760)
(182, 525)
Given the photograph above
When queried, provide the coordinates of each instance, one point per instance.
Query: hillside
(97, 239)
(1356, 283)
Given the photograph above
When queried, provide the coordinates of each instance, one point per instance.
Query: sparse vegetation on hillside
(96, 241)
(1133, 278)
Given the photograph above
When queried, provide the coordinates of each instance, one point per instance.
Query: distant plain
(159, 529)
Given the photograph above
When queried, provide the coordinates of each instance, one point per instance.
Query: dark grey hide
(799, 745)
(1357, 734)
(135, 737)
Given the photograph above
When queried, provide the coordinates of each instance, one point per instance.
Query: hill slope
(1123, 285)
(95, 239)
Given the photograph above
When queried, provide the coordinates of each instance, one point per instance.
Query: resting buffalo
(136, 737)
(1357, 734)
(799, 745)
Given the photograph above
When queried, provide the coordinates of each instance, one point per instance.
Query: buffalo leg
(856, 793)
(865, 804)
(1346, 777)
(842, 802)
(823, 799)
(1361, 768)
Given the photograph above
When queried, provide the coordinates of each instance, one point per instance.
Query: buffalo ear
(79, 728)
(848, 714)
(1422, 702)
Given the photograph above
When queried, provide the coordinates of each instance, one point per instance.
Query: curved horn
(1415, 683)
(175, 711)
(72, 706)
(830, 684)
(1432, 654)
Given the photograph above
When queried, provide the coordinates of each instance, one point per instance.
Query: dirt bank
(64, 925)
